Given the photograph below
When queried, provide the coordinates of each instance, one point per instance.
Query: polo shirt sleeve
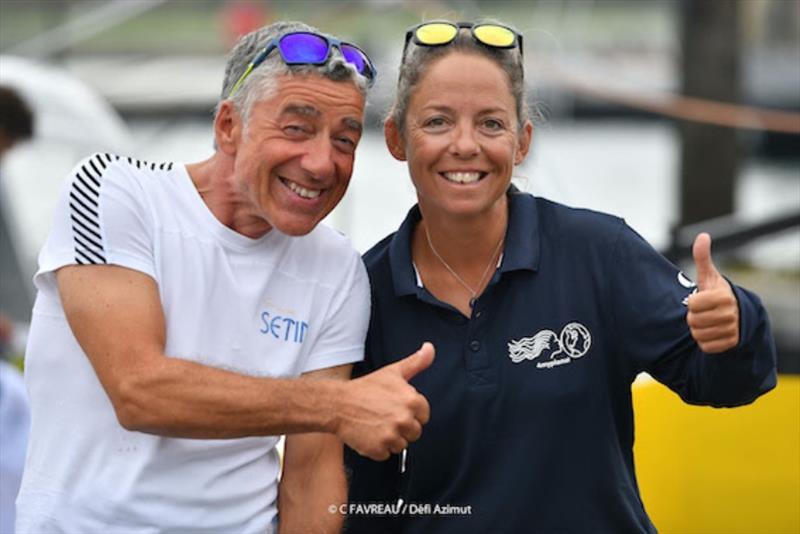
(100, 219)
(344, 328)
(647, 296)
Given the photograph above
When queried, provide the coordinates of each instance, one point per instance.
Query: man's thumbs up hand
(411, 366)
(381, 413)
(713, 312)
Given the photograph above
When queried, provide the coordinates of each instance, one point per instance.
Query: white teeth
(302, 191)
(462, 177)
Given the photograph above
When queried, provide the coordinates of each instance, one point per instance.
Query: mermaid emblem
(574, 341)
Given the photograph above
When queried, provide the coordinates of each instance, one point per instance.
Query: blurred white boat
(70, 121)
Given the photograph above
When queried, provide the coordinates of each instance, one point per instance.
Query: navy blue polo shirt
(531, 427)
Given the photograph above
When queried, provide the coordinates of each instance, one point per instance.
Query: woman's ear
(394, 140)
(228, 128)
(523, 142)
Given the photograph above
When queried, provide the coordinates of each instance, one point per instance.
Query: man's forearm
(179, 398)
(153, 392)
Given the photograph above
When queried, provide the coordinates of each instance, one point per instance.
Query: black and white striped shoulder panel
(84, 205)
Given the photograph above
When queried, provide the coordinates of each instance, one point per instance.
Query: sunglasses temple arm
(244, 75)
(409, 34)
(258, 60)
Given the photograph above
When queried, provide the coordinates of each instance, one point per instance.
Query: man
(16, 125)
(177, 304)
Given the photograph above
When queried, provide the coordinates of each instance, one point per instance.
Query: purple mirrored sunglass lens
(356, 57)
(304, 48)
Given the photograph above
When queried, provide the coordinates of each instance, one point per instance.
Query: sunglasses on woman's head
(440, 33)
(308, 48)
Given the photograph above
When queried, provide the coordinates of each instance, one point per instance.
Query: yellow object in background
(703, 470)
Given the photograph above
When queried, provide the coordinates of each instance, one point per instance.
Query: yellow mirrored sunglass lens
(494, 35)
(436, 34)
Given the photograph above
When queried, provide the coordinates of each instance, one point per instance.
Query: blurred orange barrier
(675, 106)
(712, 471)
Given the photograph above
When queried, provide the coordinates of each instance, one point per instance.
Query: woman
(541, 315)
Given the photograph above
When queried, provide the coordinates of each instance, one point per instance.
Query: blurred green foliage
(198, 27)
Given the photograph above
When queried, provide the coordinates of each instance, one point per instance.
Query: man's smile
(301, 191)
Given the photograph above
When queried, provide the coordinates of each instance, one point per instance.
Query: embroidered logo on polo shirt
(575, 341)
(688, 284)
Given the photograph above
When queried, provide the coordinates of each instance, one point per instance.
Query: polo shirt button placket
(477, 359)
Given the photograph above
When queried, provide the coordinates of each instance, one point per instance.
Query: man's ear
(523, 142)
(228, 128)
(394, 140)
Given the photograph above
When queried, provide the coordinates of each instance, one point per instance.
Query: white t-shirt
(276, 306)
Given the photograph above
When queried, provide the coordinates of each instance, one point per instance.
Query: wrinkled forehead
(310, 82)
(313, 96)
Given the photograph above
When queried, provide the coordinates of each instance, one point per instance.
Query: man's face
(294, 159)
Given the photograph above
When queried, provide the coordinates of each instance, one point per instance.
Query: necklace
(473, 293)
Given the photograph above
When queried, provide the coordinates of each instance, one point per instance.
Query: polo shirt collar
(404, 275)
(521, 251)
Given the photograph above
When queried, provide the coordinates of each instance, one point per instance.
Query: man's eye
(345, 144)
(294, 129)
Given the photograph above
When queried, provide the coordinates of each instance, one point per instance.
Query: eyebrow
(435, 107)
(296, 109)
(448, 109)
(310, 111)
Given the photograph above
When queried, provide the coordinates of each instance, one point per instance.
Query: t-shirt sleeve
(341, 339)
(649, 297)
(100, 218)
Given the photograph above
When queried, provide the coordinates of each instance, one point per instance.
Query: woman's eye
(493, 124)
(435, 122)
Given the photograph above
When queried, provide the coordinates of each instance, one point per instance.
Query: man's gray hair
(262, 82)
(419, 58)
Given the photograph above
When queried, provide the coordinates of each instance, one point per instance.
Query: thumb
(707, 274)
(411, 366)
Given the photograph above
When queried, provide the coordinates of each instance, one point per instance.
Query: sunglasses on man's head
(307, 48)
(440, 33)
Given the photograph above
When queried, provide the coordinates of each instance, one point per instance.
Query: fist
(713, 312)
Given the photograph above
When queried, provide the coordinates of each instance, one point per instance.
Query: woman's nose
(464, 143)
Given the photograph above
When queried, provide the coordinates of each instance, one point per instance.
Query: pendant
(472, 302)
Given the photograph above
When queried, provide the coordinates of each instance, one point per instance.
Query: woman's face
(461, 140)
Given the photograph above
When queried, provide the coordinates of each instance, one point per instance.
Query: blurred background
(679, 115)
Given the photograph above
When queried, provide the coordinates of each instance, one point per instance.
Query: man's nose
(318, 160)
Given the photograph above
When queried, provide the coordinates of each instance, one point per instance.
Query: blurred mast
(710, 66)
(75, 29)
